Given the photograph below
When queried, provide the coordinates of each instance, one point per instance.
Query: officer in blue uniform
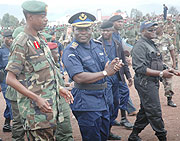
(87, 64)
(123, 88)
(4, 54)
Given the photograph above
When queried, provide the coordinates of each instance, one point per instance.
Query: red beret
(52, 45)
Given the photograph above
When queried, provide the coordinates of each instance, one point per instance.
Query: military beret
(52, 45)
(17, 31)
(106, 24)
(82, 19)
(115, 18)
(7, 33)
(146, 25)
(47, 36)
(34, 7)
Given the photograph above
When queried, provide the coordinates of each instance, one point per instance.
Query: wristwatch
(161, 74)
(105, 73)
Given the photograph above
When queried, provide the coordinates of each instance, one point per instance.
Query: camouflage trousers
(17, 126)
(41, 135)
(167, 82)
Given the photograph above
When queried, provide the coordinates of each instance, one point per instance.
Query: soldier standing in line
(33, 74)
(165, 44)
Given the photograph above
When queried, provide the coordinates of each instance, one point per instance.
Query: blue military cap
(115, 18)
(34, 7)
(146, 25)
(7, 33)
(106, 24)
(82, 19)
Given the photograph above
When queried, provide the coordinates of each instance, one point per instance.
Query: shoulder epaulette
(21, 39)
(74, 45)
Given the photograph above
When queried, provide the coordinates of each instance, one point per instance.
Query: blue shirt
(78, 58)
(4, 54)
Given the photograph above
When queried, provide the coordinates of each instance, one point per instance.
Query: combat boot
(114, 137)
(162, 138)
(170, 102)
(134, 137)
(7, 126)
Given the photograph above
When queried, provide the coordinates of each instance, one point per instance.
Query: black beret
(7, 33)
(82, 19)
(116, 18)
(106, 24)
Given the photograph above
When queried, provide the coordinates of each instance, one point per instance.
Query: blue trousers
(8, 110)
(94, 126)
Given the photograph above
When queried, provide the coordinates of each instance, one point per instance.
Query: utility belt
(90, 86)
(150, 78)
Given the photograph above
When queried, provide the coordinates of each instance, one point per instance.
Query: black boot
(134, 136)
(170, 102)
(114, 137)
(7, 126)
(124, 122)
(162, 138)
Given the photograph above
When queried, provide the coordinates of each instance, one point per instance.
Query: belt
(90, 86)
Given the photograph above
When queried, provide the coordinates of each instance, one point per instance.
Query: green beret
(34, 7)
(17, 31)
(47, 36)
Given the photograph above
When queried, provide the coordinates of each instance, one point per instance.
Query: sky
(61, 8)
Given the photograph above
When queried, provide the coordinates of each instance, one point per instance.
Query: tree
(172, 10)
(136, 14)
(9, 20)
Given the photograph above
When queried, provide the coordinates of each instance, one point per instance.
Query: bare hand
(130, 82)
(67, 95)
(44, 105)
(175, 72)
(167, 74)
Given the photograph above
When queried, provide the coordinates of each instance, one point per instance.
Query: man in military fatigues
(4, 54)
(165, 44)
(33, 74)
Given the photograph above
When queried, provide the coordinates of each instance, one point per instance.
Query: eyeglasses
(151, 30)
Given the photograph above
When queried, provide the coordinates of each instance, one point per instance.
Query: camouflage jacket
(32, 63)
(165, 44)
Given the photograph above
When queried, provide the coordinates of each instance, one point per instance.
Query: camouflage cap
(34, 7)
(17, 31)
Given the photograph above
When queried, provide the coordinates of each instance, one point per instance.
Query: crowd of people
(35, 60)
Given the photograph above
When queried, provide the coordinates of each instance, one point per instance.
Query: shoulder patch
(97, 41)
(74, 45)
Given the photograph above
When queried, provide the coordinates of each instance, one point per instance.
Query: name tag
(164, 48)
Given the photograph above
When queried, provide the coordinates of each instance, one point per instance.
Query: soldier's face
(39, 22)
(107, 33)
(8, 41)
(150, 33)
(118, 24)
(82, 34)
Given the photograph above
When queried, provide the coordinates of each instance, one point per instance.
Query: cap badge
(82, 17)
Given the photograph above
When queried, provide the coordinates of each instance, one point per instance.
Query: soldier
(4, 54)
(32, 73)
(87, 65)
(123, 88)
(164, 43)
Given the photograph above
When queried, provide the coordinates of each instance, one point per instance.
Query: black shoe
(134, 137)
(114, 137)
(116, 123)
(171, 103)
(124, 122)
(0, 139)
(6, 128)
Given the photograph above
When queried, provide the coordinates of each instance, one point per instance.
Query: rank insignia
(36, 44)
(74, 45)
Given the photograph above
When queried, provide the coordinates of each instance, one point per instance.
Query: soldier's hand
(175, 72)
(167, 74)
(66, 94)
(130, 82)
(113, 67)
(43, 105)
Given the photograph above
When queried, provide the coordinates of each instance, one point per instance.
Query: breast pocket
(41, 69)
(88, 62)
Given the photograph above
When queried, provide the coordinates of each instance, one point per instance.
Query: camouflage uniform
(17, 128)
(34, 68)
(165, 44)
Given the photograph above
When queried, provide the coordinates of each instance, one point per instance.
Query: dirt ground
(171, 118)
